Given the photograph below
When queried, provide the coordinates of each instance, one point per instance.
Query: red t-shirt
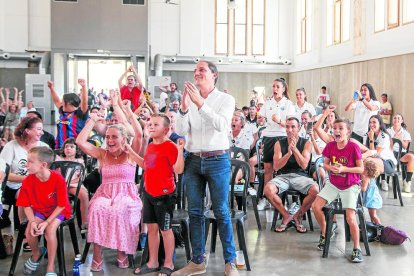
(44, 197)
(158, 168)
(133, 96)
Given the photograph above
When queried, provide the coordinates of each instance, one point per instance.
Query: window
(338, 21)
(304, 22)
(240, 31)
(133, 2)
(390, 14)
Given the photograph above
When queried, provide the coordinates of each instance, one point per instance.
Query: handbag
(8, 244)
(390, 235)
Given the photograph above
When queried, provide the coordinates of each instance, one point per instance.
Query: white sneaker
(384, 185)
(407, 187)
(263, 204)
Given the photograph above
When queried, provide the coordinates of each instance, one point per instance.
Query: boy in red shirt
(45, 200)
(162, 160)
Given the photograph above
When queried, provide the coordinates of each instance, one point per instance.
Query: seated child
(45, 200)
(343, 159)
(370, 193)
(71, 152)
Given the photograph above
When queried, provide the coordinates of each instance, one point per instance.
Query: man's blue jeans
(216, 172)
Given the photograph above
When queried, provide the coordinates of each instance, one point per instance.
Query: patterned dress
(115, 209)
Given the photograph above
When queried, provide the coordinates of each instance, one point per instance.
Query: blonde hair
(241, 116)
(371, 169)
(121, 129)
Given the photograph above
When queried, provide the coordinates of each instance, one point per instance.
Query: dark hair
(345, 121)
(72, 99)
(71, 141)
(26, 123)
(245, 108)
(38, 115)
(304, 92)
(252, 103)
(45, 154)
(307, 112)
(371, 91)
(285, 85)
(382, 126)
(94, 107)
(293, 119)
(384, 94)
(323, 87)
(213, 69)
(334, 112)
(403, 124)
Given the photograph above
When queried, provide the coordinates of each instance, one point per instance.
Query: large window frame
(390, 14)
(242, 27)
(304, 26)
(338, 21)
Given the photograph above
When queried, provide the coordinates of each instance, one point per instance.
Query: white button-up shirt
(207, 128)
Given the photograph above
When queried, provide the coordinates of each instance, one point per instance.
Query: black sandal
(166, 270)
(144, 269)
(26, 247)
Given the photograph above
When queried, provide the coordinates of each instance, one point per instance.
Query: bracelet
(370, 141)
(139, 118)
(362, 99)
(182, 113)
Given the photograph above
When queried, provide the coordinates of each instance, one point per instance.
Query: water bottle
(76, 265)
(294, 207)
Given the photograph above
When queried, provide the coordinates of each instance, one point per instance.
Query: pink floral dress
(115, 209)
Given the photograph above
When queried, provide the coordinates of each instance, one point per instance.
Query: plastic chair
(237, 216)
(335, 208)
(242, 154)
(68, 170)
(297, 196)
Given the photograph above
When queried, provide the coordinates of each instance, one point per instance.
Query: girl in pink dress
(115, 209)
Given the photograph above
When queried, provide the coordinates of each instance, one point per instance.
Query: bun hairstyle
(285, 85)
(241, 116)
(304, 92)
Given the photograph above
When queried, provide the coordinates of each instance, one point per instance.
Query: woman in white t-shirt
(302, 104)
(27, 133)
(399, 131)
(276, 111)
(364, 106)
(378, 142)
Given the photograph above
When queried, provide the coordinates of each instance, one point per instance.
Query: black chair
(260, 168)
(242, 154)
(237, 216)
(396, 188)
(239, 153)
(335, 208)
(318, 165)
(15, 210)
(296, 197)
(68, 170)
(3, 186)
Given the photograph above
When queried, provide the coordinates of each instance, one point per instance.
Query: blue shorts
(42, 217)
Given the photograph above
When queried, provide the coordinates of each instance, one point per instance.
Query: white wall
(187, 29)
(392, 42)
(24, 25)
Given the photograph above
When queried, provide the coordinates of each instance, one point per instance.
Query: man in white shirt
(204, 118)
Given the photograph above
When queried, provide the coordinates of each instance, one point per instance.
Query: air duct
(158, 64)
(42, 58)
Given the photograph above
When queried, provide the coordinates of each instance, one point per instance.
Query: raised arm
(55, 97)
(318, 125)
(121, 79)
(82, 139)
(138, 79)
(137, 141)
(84, 96)
(134, 156)
(350, 105)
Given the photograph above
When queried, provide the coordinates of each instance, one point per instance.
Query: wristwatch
(181, 112)
(362, 99)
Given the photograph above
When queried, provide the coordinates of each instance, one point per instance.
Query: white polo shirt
(362, 115)
(406, 136)
(283, 109)
(306, 106)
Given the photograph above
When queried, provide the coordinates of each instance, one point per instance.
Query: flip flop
(300, 228)
(145, 270)
(31, 266)
(165, 270)
(283, 227)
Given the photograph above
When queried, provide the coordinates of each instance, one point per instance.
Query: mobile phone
(356, 96)
(309, 126)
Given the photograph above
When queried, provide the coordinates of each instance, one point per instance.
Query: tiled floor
(287, 253)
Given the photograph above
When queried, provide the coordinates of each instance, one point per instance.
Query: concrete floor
(288, 253)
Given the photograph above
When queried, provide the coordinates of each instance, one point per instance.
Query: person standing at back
(133, 90)
(204, 117)
(386, 110)
(364, 106)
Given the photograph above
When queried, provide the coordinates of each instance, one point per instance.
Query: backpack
(390, 235)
